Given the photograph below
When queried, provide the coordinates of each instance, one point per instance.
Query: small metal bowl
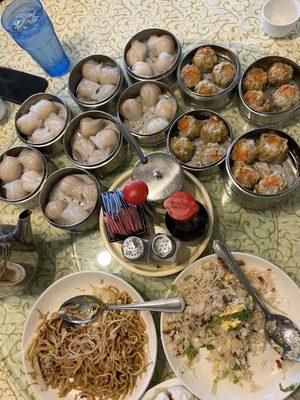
(110, 103)
(247, 197)
(279, 118)
(201, 115)
(49, 185)
(32, 200)
(213, 101)
(115, 159)
(168, 77)
(54, 145)
(153, 139)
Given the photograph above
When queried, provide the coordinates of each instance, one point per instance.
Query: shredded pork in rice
(222, 317)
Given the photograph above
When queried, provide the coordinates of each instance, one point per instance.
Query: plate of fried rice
(217, 347)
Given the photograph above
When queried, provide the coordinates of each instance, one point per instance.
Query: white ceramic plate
(163, 385)
(73, 285)
(199, 379)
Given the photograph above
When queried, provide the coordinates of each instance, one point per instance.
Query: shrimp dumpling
(14, 190)
(137, 52)
(87, 90)
(108, 75)
(72, 186)
(90, 126)
(31, 160)
(156, 125)
(90, 70)
(106, 139)
(104, 92)
(160, 44)
(163, 63)
(41, 135)
(54, 209)
(89, 195)
(10, 169)
(82, 147)
(54, 124)
(131, 109)
(42, 109)
(165, 108)
(73, 214)
(31, 180)
(98, 156)
(61, 110)
(149, 94)
(28, 123)
(142, 68)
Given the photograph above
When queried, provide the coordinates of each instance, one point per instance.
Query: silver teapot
(18, 256)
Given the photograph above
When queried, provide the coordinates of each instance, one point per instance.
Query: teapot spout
(22, 232)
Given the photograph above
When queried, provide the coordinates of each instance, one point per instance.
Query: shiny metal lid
(133, 248)
(162, 173)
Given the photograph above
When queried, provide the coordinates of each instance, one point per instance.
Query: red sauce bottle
(186, 218)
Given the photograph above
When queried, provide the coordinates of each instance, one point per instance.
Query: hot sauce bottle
(186, 218)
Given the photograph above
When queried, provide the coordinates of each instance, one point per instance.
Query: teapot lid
(162, 173)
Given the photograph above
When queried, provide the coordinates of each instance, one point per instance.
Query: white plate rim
(282, 395)
(151, 367)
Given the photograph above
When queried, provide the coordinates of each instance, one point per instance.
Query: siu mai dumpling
(10, 168)
(257, 100)
(286, 96)
(244, 150)
(272, 148)
(214, 130)
(190, 75)
(271, 184)
(14, 190)
(73, 214)
(31, 180)
(206, 87)
(211, 154)
(255, 79)
(42, 109)
(183, 148)
(189, 127)
(205, 59)
(280, 73)
(149, 94)
(246, 175)
(223, 74)
(31, 160)
(28, 123)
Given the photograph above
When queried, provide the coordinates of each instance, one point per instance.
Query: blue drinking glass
(29, 25)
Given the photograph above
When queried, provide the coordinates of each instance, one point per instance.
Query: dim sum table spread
(102, 27)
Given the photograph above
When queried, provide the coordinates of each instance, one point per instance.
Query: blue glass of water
(29, 25)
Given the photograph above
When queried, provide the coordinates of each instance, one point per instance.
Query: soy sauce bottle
(186, 218)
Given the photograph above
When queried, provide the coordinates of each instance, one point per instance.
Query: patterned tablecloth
(100, 26)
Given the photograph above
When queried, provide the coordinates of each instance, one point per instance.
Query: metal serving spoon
(85, 309)
(281, 332)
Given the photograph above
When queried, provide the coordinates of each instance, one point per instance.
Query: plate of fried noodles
(112, 358)
(217, 346)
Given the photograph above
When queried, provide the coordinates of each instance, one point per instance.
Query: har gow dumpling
(156, 125)
(73, 214)
(131, 109)
(54, 209)
(87, 90)
(41, 135)
(108, 75)
(90, 126)
(162, 63)
(71, 186)
(165, 108)
(89, 195)
(28, 123)
(82, 147)
(104, 92)
(42, 109)
(149, 94)
(98, 156)
(31, 180)
(137, 52)
(142, 68)
(106, 139)
(90, 70)
(31, 161)
(61, 110)
(14, 190)
(54, 124)
(160, 44)
(10, 169)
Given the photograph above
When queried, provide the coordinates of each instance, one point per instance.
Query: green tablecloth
(92, 26)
